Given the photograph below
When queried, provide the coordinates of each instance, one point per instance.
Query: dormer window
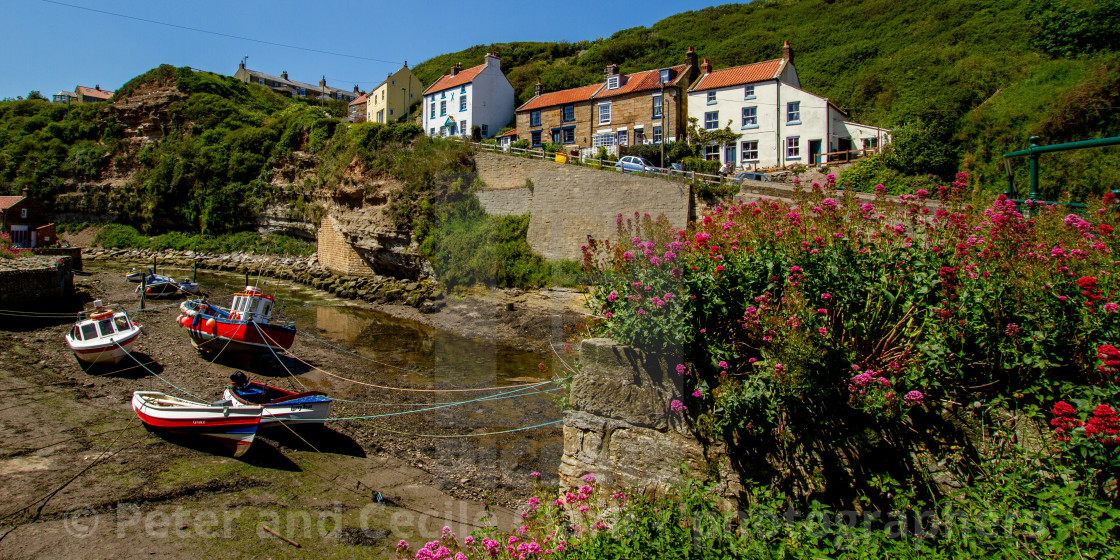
(612, 82)
(664, 75)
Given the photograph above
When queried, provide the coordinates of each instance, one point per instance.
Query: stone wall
(570, 202)
(506, 202)
(35, 281)
(620, 426)
(335, 252)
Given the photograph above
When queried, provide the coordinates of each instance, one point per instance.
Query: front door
(814, 151)
(729, 154)
(20, 237)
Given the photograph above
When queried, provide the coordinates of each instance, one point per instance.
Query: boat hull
(103, 352)
(211, 329)
(233, 426)
(309, 409)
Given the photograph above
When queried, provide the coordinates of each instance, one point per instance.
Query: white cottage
(480, 96)
(779, 123)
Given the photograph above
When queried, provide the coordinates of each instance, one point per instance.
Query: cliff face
(360, 213)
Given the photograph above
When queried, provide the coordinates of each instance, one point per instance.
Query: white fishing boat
(281, 406)
(103, 334)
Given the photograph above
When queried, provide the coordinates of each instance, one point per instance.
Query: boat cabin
(251, 305)
(99, 324)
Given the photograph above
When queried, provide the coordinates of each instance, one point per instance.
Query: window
(870, 143)
(793, 147)
(442, 108)
(568, 135)
(464, 128)
(463, 102)
(612, 82)
(711, 120)
(556, 137)
(657, 135)
(393, 83)
(622, 137)
(536, 134)
(433, 110)
(432, 132)
(390, 112)
(750, 117)
(605, 113)
(657, 106)
(463, 89)
(793, 112)
(569, 113)
(484, 133)
(711, 98)
(23, 212)
(89, 331)
(602, 140)
(535, 118)
(711, 153)
(664, 75)
(750, 151)
(748, 92)
(639, 137)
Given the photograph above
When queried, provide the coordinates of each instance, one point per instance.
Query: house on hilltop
(779, 123)
(479, 96)
(646, 107)
(83, 94)
(391, 99)
(281, 84)
(357, 109)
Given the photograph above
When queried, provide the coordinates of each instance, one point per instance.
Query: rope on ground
(410, 434)
(37, 315)
(495, 397)
(409, 389)
(158, 376)
(275, 355)
(355, 354)
(491, 397)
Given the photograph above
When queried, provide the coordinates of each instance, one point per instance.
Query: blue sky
(48, 46)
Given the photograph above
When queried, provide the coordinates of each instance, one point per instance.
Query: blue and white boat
(281, 406)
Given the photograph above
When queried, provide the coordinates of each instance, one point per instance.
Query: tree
(700, 137)
(34, 94)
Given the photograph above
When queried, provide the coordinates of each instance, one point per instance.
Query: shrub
(120, 236)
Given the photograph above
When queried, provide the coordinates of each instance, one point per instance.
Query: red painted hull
(239, 335)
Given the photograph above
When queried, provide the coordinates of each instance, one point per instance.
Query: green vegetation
(972, 78)
(120, 236)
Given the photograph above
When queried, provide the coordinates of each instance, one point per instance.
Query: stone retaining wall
(620, 426)
(35, 281)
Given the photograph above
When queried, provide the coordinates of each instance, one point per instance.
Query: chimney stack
(706, 67)
(537, 90)
(97, 87)
(787, 53)
(690, 57)
(456, 68)
(284, 74)
(610, 70)
(355, 88)
(241, 65)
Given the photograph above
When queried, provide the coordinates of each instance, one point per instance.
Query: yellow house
(390, 100)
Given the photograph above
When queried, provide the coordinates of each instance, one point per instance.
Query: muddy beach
(84, 479)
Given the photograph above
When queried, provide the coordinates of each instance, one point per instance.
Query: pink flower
(468, 541)
(583, 508)
(627, 256)
(612, 296)
(1110, 307)
(589, 478)
(823, 331)
(678, 406)
(682, 369)
(698, 393)
(460, 556)
(722, 365)
(913, 398)
(826, 296)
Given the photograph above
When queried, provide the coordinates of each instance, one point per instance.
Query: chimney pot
(690, 60)
(539, 88)
(284, 74)
(97, 87)
(706, 67)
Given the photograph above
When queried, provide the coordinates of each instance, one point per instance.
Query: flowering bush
(808, 319)
(6, 249)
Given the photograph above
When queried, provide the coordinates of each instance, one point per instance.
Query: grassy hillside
(981, 76)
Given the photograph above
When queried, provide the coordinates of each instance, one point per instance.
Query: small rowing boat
(233, 425)
(281, 406)
(102, 334)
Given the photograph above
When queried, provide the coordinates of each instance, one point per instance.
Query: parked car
(751, 175)
(634, 163)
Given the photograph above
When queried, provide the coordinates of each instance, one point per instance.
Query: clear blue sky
(47, 46)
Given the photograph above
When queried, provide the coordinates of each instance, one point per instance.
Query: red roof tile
(8, 201)
(510, 133)
(641, 81)
(739, 75)
(360, 100)
(448, 81)
(96, 93)
(561, 97)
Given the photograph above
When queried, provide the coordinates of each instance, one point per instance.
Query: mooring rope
(158, 376)
(490, 397)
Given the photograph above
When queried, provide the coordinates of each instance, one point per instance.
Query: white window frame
(462, 102)
(614, 82)
(663, 76)
(750, 120)
(443, 108)
(657, 137)
(793, 112)
(711, 120)
(711, 98)
(623, 138)
(601, 106)
(711, 150)
(793, 147)
(748, 147)
(748, 92)
(23, 213)
(658, 106)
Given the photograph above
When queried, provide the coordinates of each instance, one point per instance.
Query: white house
(779, 123)
(480, 96)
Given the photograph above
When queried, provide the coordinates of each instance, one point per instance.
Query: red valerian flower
(1104, 424)
(1064, 422)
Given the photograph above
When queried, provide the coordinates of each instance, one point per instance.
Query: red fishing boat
(232, 424)
(242, 327)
